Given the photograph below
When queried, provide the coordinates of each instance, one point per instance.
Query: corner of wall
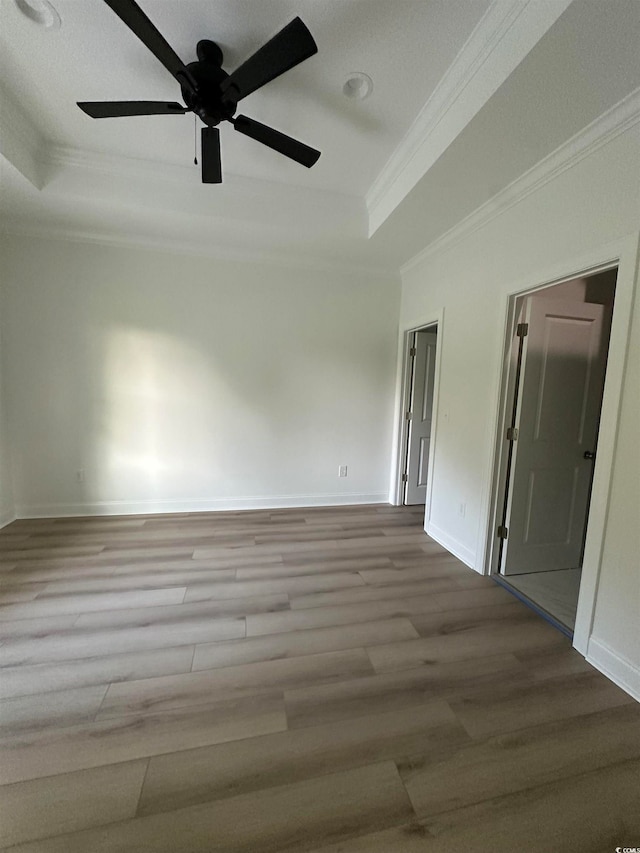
(617, 668)
(457, 548)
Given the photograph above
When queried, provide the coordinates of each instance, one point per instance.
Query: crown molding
(66, 157)
(69, 172)
(505, 34)
(620, 118)
(21, 143)
(46, 231)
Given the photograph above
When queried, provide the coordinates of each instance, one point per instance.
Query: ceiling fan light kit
(210, 92)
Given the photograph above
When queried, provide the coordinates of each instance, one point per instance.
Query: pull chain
(195, 140)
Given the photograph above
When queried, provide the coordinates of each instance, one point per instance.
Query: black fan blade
(280, 142)
(113, 109)
(288, 48)
(133, 16)
(211, 165)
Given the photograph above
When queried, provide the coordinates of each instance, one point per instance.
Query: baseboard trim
(618, 669)
(458, 550)
(7, 518)
(212, 505)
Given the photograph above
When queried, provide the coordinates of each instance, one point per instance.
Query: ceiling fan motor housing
(211, 93)
(208, 101)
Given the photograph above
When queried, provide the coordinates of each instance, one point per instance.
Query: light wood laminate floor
(312, 679)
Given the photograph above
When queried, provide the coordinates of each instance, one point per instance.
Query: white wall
(575, 215)
(177, 382)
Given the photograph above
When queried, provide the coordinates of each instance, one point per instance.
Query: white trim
(627, 258)
(212, 505)
(111, 239)
(617, 668)
(402, 395)
(118, 165)
(623, 254)
(7, 518)
(467, 63)
(451, 544)
(396, 492)
(20, 141)
(505, 34)
(621, 117)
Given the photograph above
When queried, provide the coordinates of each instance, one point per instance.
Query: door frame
(401, 430)
(624, 255)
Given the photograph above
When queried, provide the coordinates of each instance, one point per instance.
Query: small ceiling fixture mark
(41, 12)
(358, 86)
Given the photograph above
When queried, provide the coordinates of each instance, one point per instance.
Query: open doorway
(418, 414)
(553, 388)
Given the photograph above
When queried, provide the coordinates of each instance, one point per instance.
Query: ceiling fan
(211, 93)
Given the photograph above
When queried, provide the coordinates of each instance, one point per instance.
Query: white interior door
(559, 403)
(420, 412)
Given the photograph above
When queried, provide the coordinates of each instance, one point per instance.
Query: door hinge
(412, 352)
(405, 478)
(512, 434)
(522, 330)
(503, 532)
(408, 416)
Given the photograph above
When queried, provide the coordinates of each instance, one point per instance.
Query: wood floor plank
(493, 594)
(35, 628)
(146, 581)
(312, 583)
(17, 592)
(297, 643)
(596, 812)
(169, 613)
(295, 568)
(84, 799)
(62, 708)
(89, 642)
(63, 750)
(71, 567)
(210, 773)
(291, 817)
(318, 617)
(474, 771)
(464, 619)
(552, 661)
(178, 691)
(61, 551)
(415, 539)
(376, 694)
(435, 568)
(473, 641)
(372, 593)
(49, 559)
(508, 707)
(57, 605)
(220, 564)
(44, 576)
(67, 674)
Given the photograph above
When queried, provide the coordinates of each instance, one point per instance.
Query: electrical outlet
(80, 475)
(462, 510)
(342, 471)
